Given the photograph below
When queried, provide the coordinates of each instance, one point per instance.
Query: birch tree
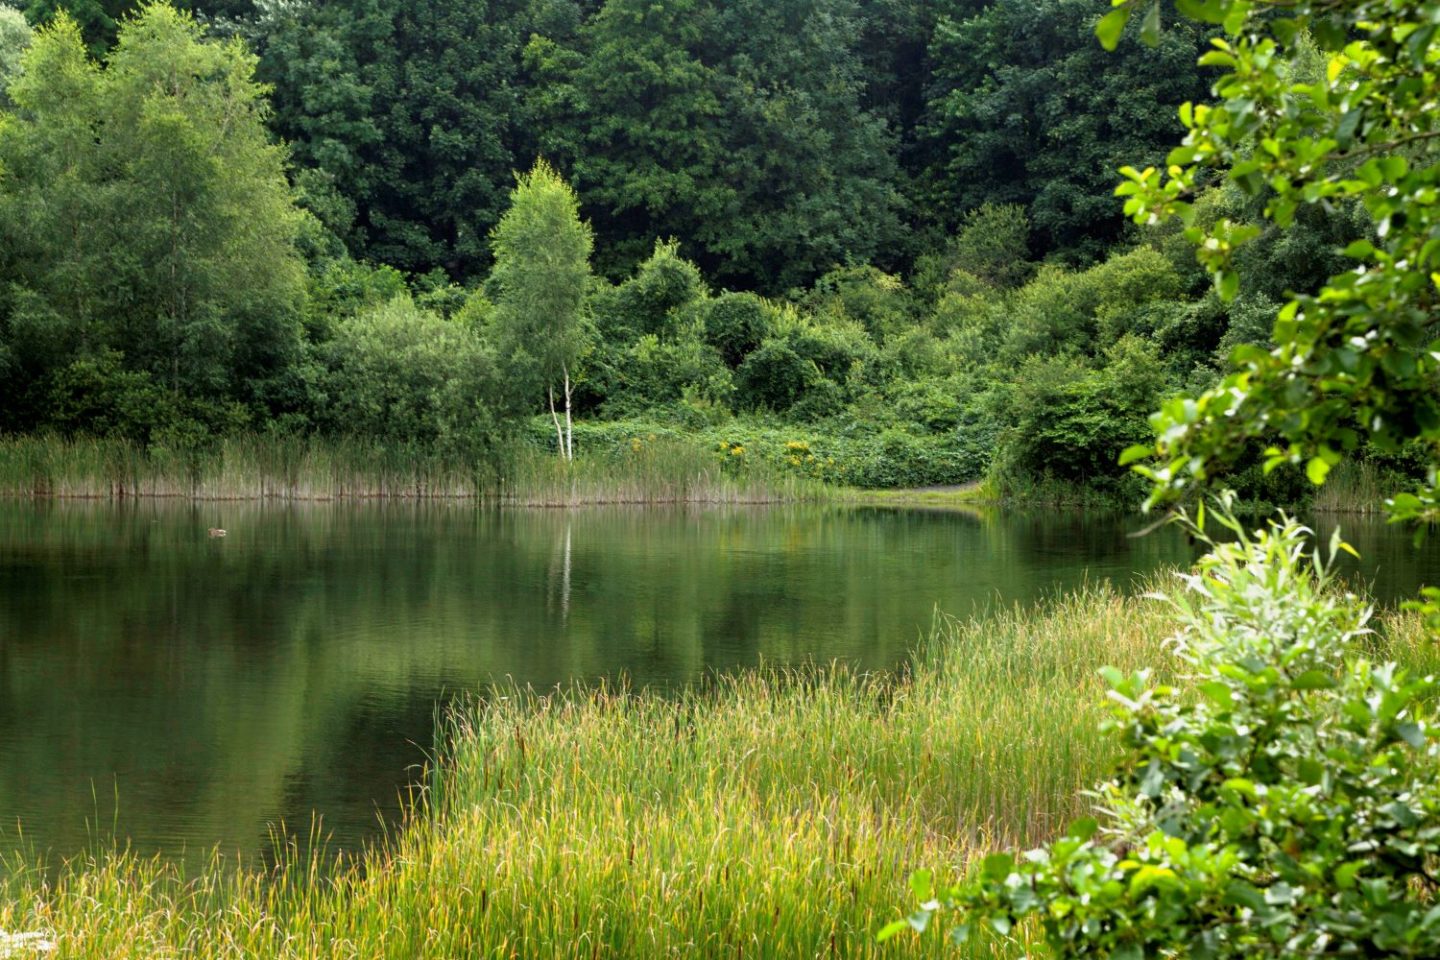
(542, 268)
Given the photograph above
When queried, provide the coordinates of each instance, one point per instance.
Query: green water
(180, 691)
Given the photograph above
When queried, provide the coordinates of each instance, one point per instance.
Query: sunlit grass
(774, 813)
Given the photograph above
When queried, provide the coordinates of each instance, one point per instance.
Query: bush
(774, 377)
(992, 246)
(1281, 803)
(1071, 421)
(652, 372)
(96, 395)
(736, 324)
(876, 300)
(401, 374)
(654, 300)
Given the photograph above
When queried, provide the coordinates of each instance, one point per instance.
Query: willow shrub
(1279, 801)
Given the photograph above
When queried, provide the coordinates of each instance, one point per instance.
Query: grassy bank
(776, 813)
(770, 814)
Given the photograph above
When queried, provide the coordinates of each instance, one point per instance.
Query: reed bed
(1357, 487)
(266, 467)
(662, 470)
(773, 813)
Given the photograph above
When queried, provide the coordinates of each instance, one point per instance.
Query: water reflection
(213, 687)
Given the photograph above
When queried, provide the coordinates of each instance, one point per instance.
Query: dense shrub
(652, 372)
(1280, 802)
(736, 324)
(1070, 420)
(401, 374)
(774, 376)
(654, 300)
(876, 300)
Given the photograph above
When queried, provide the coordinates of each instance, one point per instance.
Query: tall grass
(265, 467)
(1357, 487)
(661, 470)
(775, 813)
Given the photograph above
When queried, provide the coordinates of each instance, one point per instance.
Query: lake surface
(186, 692)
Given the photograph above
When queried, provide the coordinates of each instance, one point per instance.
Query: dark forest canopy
(775, 139)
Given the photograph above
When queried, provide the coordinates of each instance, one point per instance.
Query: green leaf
(1360, 250)
(1317, 470)
(1411, 733)
(892, 928)
(1150, 26)
(1228, 283)
(1111, 26)
(1314, 680)
(997, 866)
(1138, 451)
(1346, 873)
(922, 884)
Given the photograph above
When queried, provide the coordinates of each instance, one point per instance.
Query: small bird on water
(216, 532)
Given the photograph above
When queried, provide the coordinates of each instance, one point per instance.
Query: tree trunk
(559, 433)
(569, 427)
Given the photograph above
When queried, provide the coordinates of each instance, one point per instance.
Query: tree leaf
(1111, 26)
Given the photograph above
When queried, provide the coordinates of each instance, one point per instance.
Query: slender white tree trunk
(559, 433)
(569, 427)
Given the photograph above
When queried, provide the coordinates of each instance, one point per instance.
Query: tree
(542, 271)
(401, 374)
(736, 126)
(98, 20)
(15, 37)
(404, 118)
(1025, 108)
(147, 212)
(1285, 805)
(1355, 361)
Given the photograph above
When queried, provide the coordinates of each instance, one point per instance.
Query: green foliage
(835, 452)
(1353, 362)
(1068, 419)
(992, 246)
(736, 324)
(1279, 803)
(97, 19)
(876, 300)
(97, 395)
(1024, 107)
(654, 300)
(404, 118)
(147, 212)
(541, 276)
(542, 269)
(774, 376)
(15, 38)
(736, 126)
(651, 372)
(403, 375)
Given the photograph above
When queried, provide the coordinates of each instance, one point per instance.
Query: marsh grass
(266, 467)
(645, 470)
(1356, 487)
(773, 813)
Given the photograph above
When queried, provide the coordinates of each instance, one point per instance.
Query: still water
(183, 692)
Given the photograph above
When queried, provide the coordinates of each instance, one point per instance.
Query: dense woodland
(874, 240)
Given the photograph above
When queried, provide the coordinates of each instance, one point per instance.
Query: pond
(184, 692)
